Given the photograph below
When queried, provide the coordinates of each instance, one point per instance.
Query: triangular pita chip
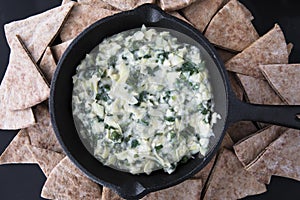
(259, 91)
(59, 49)
(38, 31)
(42, 134)
(66, 182)
(285, 80)
(268, 49)
(281, 158)
(229, 179)
(171, 5)
(249, 148)
(239, 130)
(231, 28)
(48, 65)
(235, 85)
(16, 151)
(46, 159)
(22, 79)
(189, 189)
(82, 16)
(201, 12)
(12, 120)
(108, 194)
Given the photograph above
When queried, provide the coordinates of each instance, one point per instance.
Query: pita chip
(189, 189)
(99, 3)
(38, 31)
(46, 159)
(41, 134)
(240, 130)
(48, 65)
(231, 28)
(179, 16)
(249, 148)
(23, 80)
(235, 85)
(171, 5)
(281, 158)
(290, 47)
(82, 16)
(259, 91)
(285, 80)
(12, 120)
(59, 49)
(203, 174)
(201, 12)
(127, 4)
(271, 48)
(229, 179)
(108, 194)
(66, 182)
(16, 151)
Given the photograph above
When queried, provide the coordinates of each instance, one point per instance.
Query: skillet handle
(283, 115)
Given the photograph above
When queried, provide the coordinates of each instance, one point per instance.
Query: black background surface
(22, 182)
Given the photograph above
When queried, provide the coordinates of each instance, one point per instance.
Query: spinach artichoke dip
(142, 101)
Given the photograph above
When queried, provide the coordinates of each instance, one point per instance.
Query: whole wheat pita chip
(271, 48)
(42, 134)
(225, 55)
(38, 31)
(281, 158)
(231, 28)
(82, 16)
(108, 194)
(240, 130)
(203, 174)
(229, 179)
(201, 12)
(16, 151)
(25, 85)
(235, 85)
(12, 120)
(99, 2)
(290, 47)
(189, 189)
(249, 148)
(66, 182)
(127, 4)
(285, 80)
(171, 5)
(48, 65)
(59, 49)
(259, 91)
(46, 159)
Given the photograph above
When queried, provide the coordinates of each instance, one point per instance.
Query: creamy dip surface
(142, 101)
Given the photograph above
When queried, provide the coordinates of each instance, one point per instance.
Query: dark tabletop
(22, 182)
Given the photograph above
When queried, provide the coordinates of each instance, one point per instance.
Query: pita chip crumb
(41, 134)
(259, 91)
(189, 189)
(25, 84)
(271, 48)
(240, 130)
(66, 182)
(249, 148)
(46, 159)
(48, 64)
(285, 80)
(82, 16)
(59, 49)
(281, 158)
(16, 151)
(38, 31)
(201, 12)
(231, 28)
(229, 179)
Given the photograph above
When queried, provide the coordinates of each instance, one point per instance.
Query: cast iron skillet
(227, 105)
